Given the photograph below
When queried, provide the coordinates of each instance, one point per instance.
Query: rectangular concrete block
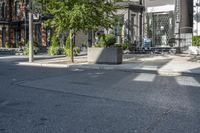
(105, 55)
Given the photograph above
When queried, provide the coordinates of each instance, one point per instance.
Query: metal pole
(30, 33)
(197, 8)
(141, 23)
(179, 27)
(25, 23)
(179, 39)
(128, 25)
(71, 46)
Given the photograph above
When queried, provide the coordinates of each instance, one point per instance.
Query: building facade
(169, 23)
(14, 24)
(130, 22)
(160, 21)
(128, 29)
(196, 26)
(164, 22)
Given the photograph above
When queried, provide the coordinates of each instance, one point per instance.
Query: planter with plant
(105, 52)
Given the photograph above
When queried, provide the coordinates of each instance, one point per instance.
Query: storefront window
(120, 23)
(120, 28)
(17, 37)
(17, 8)
(3, 10)
(27, 3)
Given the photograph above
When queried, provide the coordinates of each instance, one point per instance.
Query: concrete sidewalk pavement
(161, 64)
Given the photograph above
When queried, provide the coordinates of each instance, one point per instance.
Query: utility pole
(177, 25)
(71, 45)
(25, 9)
(141, 22)
(30, 32)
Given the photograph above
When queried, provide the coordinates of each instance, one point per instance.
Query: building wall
(129, 27)
(181, 12)
(14, 22)
(3, 17)
(196, 18)
(81, 39)
(151, 3)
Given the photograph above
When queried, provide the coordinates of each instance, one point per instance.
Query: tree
(78, 15)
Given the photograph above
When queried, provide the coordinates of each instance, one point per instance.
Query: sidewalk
(161, 64)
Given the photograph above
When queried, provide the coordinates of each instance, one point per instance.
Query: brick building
(14, 24)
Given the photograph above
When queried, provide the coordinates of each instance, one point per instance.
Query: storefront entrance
(160, 28)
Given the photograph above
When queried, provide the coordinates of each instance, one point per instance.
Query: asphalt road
(50, 100)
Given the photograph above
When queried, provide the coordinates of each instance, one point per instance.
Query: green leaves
(196, 41)
(78, 15)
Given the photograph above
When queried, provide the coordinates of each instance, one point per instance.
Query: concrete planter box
(194, 50)
(105, 55)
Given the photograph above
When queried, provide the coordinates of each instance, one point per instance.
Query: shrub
(77, 50)
(8, 45)
(196, 41)
(108, 40)
(125, 46)
(98, 45)
(51, 50)
(67, 48)
(35, 49)
(55, 41)
(55, 51)
(27, 50)
(55, 48)
(17, 45)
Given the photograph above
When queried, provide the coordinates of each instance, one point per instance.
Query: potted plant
(105, 51)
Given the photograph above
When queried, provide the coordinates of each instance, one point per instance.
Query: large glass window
(17, 8)
(0, 10)
(27, 3)
(17, 36)
(3, 10)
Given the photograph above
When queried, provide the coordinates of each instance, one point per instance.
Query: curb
(111, 68)
(42, 65)
(159, 72)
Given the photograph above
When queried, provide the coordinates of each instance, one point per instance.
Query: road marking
(187, 81)
(146, 77)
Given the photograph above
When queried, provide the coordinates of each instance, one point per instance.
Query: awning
(163, 8)
(135, 6)
(4, 22)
